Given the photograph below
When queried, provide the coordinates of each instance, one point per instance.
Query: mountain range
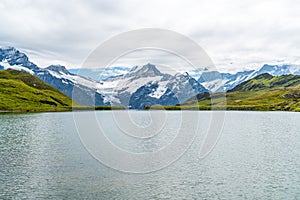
(134, 87)
(213, 81)
(263, 92)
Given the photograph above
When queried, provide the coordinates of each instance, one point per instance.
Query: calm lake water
(256, 157)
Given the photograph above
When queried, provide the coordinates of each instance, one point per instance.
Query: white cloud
(236, 34)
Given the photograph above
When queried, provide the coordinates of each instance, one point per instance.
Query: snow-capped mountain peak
(147, 70)
(146, 85)
(59, 69)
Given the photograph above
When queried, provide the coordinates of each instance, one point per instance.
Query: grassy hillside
(23, 92)
(263, 93)
(267, 81)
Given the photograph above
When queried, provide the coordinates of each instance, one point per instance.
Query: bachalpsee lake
(256, 157)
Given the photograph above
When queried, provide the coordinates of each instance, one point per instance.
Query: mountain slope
(55, 75)
(264, 92)
(86, 89)
(22, 92)
(267, 81)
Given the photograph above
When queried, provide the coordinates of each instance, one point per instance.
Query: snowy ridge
(6, 65)
(76, 79)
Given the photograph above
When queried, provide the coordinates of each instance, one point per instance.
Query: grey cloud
(244, 33)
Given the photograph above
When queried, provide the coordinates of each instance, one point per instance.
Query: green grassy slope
(267, 81)
(263, 93)
(23, 92)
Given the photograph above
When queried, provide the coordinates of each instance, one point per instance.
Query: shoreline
(68, 109)
(2, 112)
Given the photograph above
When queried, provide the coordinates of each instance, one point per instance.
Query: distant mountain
(278, 70)
(100, 74)
(215, 81)
(263, 92)
(22, 92)
(146, 86)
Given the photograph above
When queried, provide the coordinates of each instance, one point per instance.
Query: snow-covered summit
(148, 70)
(59, 69)
(14, 57)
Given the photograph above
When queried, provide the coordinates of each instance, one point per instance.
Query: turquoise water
(256, 157)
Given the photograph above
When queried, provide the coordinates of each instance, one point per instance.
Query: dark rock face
(140, 99)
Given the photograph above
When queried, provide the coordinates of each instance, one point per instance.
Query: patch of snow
(160, 90)
(214, 85)
(131, 85)
(111, 99)
(6, 65)
(76, 79)
(65, 82)
(294, 69)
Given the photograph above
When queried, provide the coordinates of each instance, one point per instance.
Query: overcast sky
(235, 34)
